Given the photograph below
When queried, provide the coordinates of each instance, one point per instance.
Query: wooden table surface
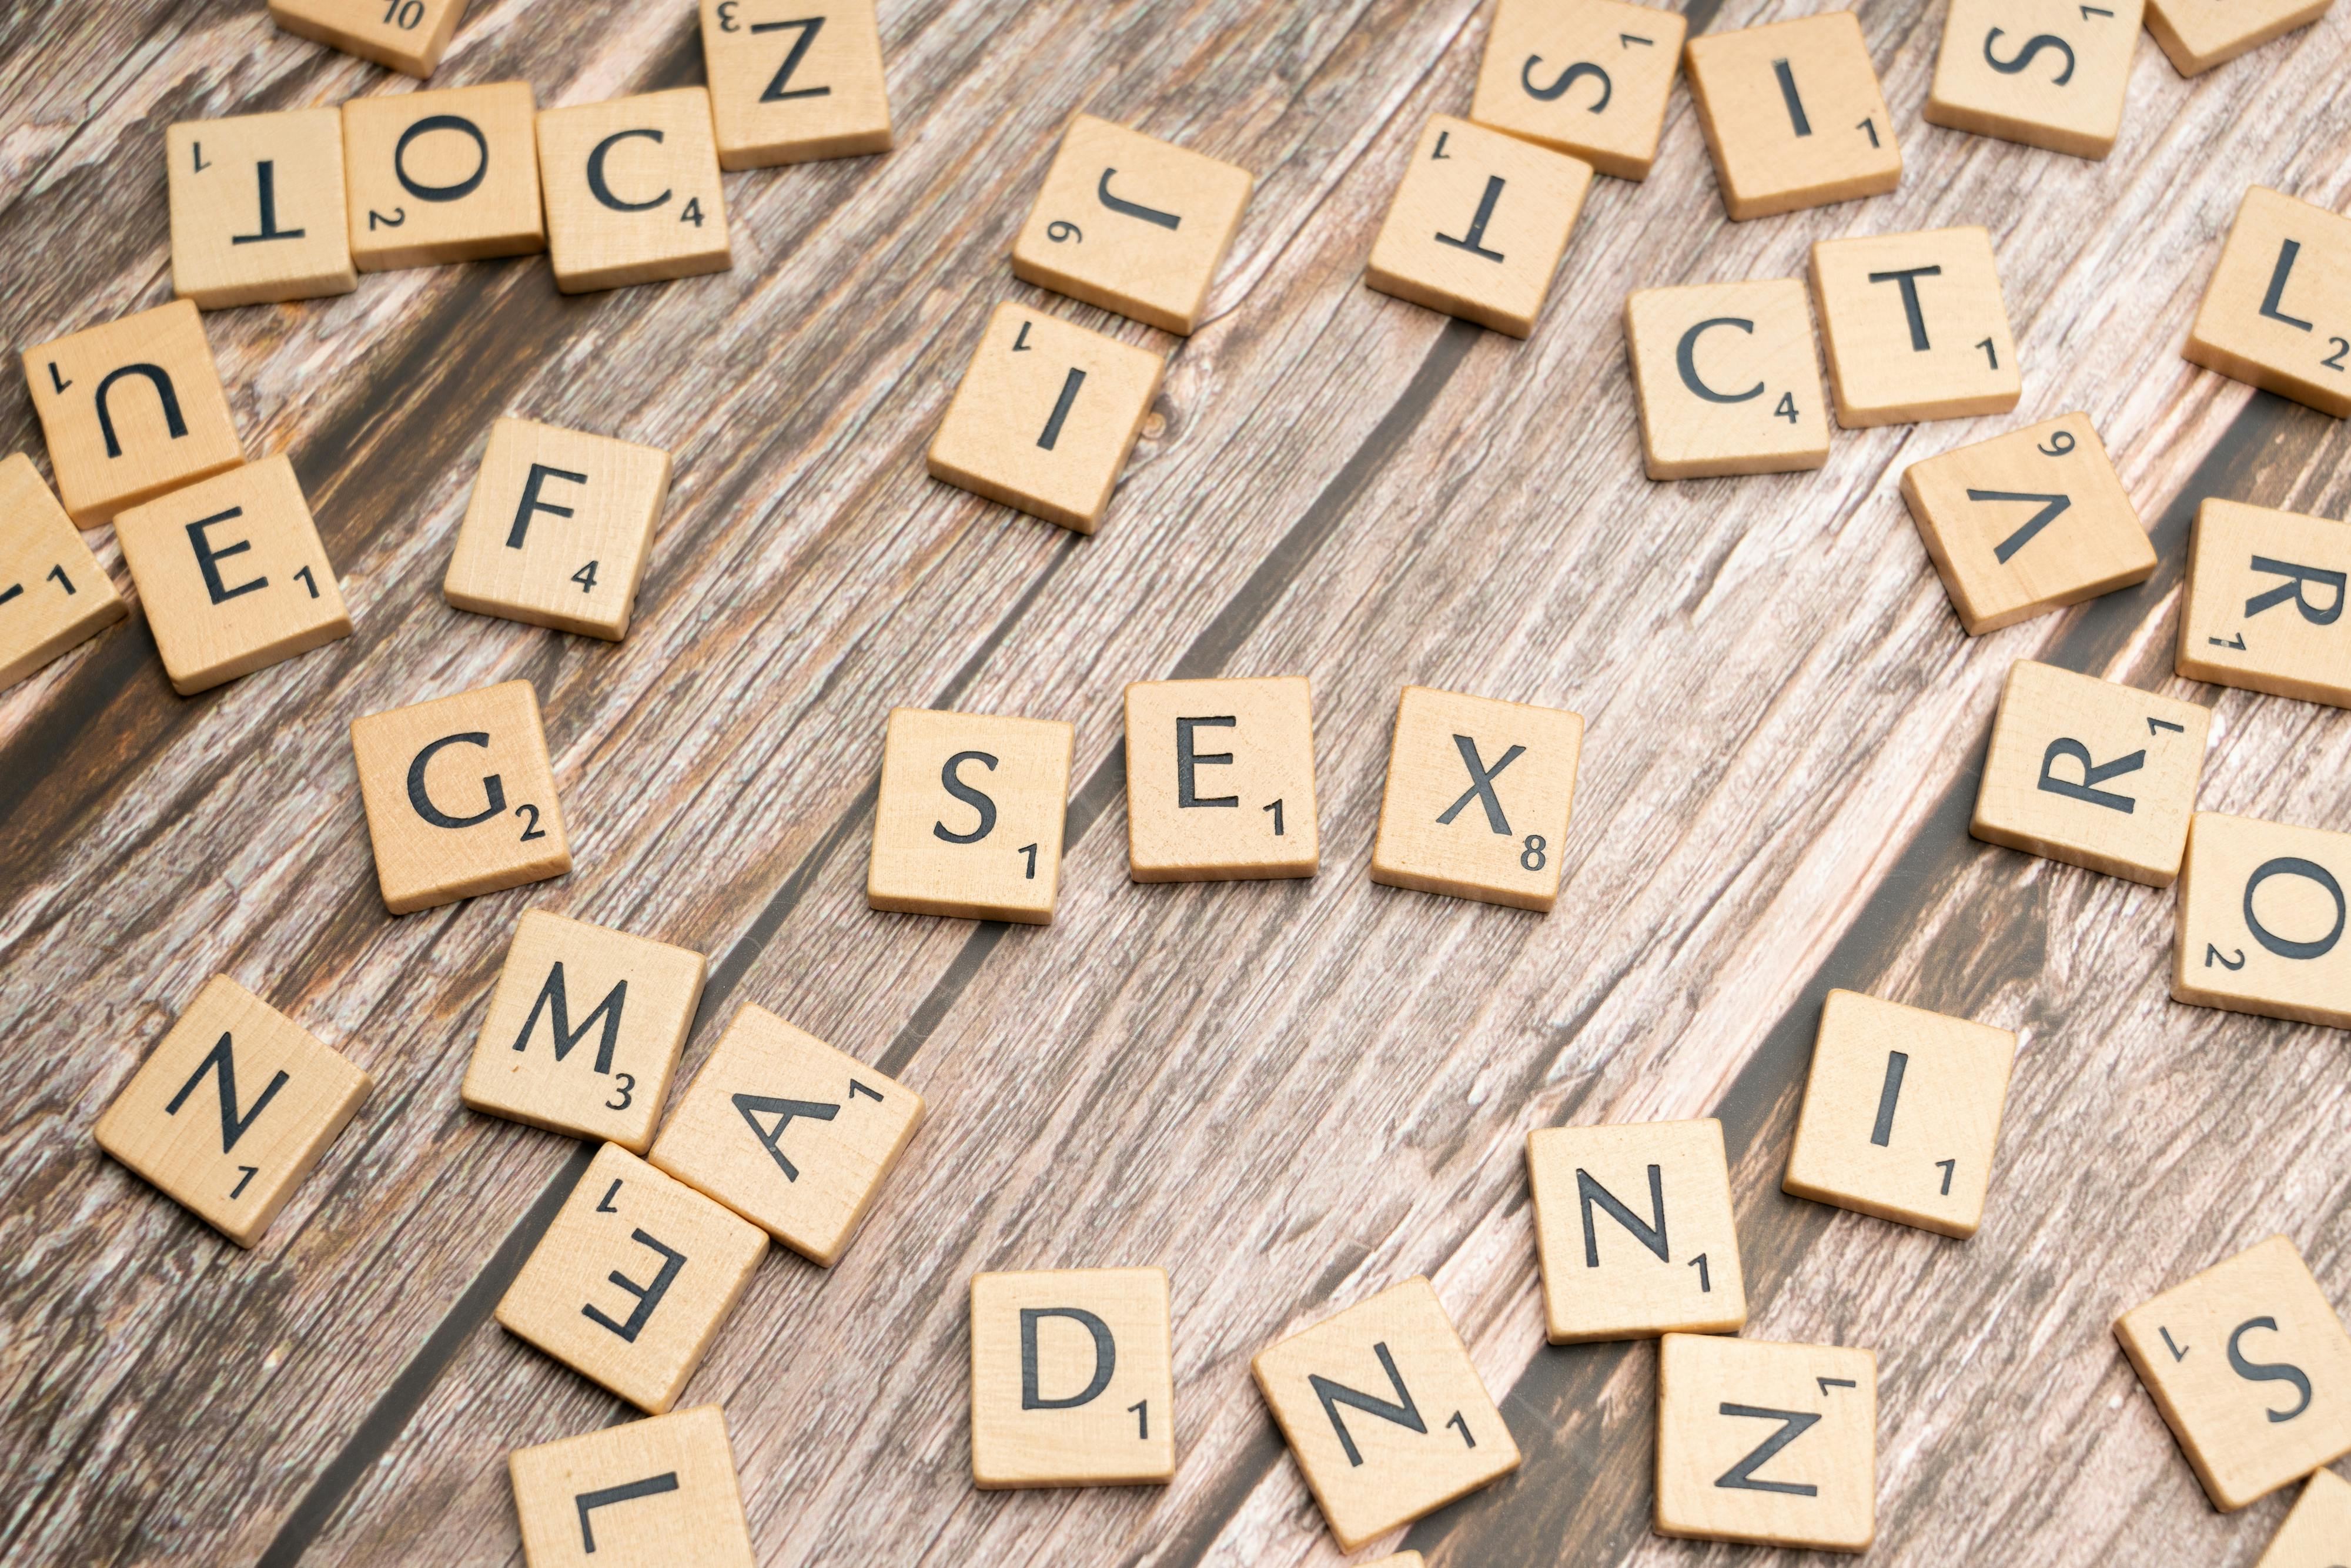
(1291, 1094)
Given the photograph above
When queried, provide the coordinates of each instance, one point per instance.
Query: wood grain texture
(1289, 1094)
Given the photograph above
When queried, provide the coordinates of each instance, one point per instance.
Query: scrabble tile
(2277, 312)
(1726, 378)
(788, 1133)
(233, 575)
(789, 83)
(1047, 433)
(2092, 772)
(971, 815)
(446, 176)
(2201, 34)
(1072, 1379)
(235, 1071)
(584, 1029)
(1588, 77)
(656, 1494)
(559, 528)
(460, 797)
(1146, 247)
(2044, 72)
(257, 211)
(2315, 1534)
(131, 409)
(1384, 1412)
(1901, 1115)
(407, 36)
(1478, 797)
(2261, 920)
(1913, 327)
(1793, 115)
(1633, 1232)
(53, 593)
(633, 1279)
(2027, 523)
(2252, 1368)
(2263, 604)
(1767, 1443)
(632, 191)
(1220, 779)
(1478, 224)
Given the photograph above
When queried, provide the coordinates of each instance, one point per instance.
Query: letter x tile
(1478, 797)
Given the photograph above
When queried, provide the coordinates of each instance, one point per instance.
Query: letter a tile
(2092, 772)
(1072, 1379)
(970, 816)
(1478, 797)
(2261, 920)
(2263, 607)
(787, 87)
(788, 1133)
(1634, 1231)
(257, 211)
(1901, 1115)
(130, 409)
(1220, 779)
(656, 1494)
(2252, 1368)
(584, 1029)
(1772, 1444)
(1478, 224)
(232, 1110)
(632, 1280)
(1384, 1413)
(53, 593)
(1587, 78)
(1793, 115)
(2277, 313)
(2313, 1533)
(2197, 35)
(2048, 73)
(460, 797)
(439, 177)
(632, 191)
(1915, 327)
(1728, 379)
(407, 36)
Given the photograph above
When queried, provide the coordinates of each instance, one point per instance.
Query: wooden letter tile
(1915, 327)
(1588, 77)
(2264, 606)
(460, 797)
(131, 410)
(257, 211)
(2261, 920)
(2027, 523)
(1793, 114)
(442, 176)
(632, 191)
(633, 1279)
(656, 1494)
(584, 1030)
(2277, 313)
(971, 815)
(2092, 772)
(1478, 224)
(233, 575)
(1633, 1229)
(1384, 1413)
(1901, 1115)
(2201, 34)
(2042, 72)
(1045, 417)
(406, 35)
(790, 82)
(1072, 1379)
(53, 593)
(2315, 1534)
(233, 1109)
(2251, 1369)
(1767, 1443)
(788, 1133)
(1727, 379)
(559, 528)
(1478, 797)
(1220, 779)
(1132, 223)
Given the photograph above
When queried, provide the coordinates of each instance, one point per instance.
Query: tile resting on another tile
(54, 596)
